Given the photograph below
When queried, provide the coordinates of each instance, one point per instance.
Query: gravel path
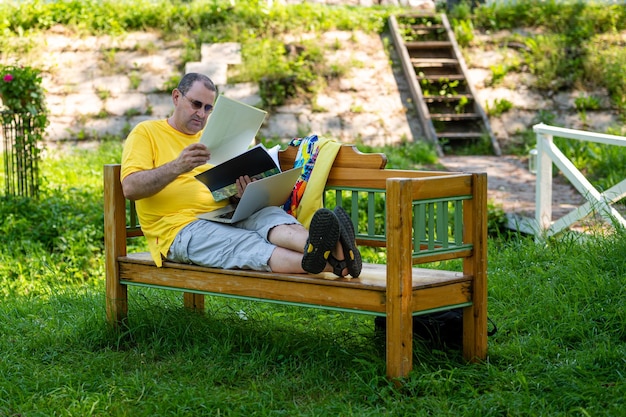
(512, 186)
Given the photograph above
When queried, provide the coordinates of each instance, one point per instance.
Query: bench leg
(399, 345)
(475, 316)
(474, 333)
(399, 279)
(114, 246)
(116, 299)
(194, 301)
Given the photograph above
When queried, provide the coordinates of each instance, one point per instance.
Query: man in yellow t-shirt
(159, 164)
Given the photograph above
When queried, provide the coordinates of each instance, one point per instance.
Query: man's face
(193, 108)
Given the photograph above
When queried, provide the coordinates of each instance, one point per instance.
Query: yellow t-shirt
(149, 145)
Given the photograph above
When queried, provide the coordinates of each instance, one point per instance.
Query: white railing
(597, 202)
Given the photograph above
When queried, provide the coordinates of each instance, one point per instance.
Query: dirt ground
(512, 186)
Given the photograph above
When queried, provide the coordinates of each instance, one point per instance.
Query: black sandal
(323, 236)
(338, 265)
(347, 238)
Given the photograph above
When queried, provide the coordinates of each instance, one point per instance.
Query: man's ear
(175, 96)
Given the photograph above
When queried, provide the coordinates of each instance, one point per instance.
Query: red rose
(8, 78)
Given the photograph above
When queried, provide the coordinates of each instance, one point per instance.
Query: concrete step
(215, 59)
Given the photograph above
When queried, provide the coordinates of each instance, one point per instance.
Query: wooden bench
(418, 216)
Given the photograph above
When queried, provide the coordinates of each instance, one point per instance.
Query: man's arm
(142, 184)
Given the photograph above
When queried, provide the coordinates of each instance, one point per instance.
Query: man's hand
(144, 184)
(242, 182)
(191, 157)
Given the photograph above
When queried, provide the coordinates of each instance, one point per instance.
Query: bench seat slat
(373, 276)
(431, 288)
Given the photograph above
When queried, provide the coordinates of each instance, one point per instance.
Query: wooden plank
(114, 245)
(429, 28)
(438, 77)
(460, 135)
(348, 156)
(454, 116)
(427, 45)
(437, 297)
(375, 179)
(453, 98)
(399, 278)
(373, 277)
(440, 257)
(441, 187)
(475, 317)
(302, 292)
(434, 61)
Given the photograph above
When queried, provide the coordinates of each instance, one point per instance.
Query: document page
(231, 129)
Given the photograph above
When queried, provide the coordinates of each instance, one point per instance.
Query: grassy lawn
(560, 306)
(560, 350)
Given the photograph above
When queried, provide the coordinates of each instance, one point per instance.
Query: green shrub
(500, 105)
(498, 72)
(606, 66)
(496, 218)
(406, 154)
(285, 71)
(548, 62)
(584, 103)
(463, 32)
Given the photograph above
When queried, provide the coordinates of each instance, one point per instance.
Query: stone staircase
(435, 69)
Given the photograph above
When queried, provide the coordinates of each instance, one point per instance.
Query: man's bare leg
(290, 240)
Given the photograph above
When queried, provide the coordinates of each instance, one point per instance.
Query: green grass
(560, 307)
(560, 350)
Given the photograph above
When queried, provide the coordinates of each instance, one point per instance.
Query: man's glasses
(197, 105)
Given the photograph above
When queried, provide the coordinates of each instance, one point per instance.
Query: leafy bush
(584, 103)
(217, 19)
(23, 116)
(496, 219)
(405, 155)
(21, 90)
(603, 165)
(558, 16)
(62, 232)
(606, 65)
(57, 239)
(500, 105)
(548, 61)
(463, 32)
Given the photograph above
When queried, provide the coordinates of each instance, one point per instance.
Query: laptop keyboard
(228, 215)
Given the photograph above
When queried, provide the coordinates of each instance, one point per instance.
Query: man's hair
(187, 81)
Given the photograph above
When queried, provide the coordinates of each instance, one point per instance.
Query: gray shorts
(242, 245)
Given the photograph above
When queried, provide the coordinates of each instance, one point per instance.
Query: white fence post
(543, 187)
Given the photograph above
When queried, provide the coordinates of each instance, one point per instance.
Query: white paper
(274, 154)
(231, 129)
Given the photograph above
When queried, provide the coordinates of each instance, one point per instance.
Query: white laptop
(269, 191)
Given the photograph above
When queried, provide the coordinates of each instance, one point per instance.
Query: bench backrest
(432, 216)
